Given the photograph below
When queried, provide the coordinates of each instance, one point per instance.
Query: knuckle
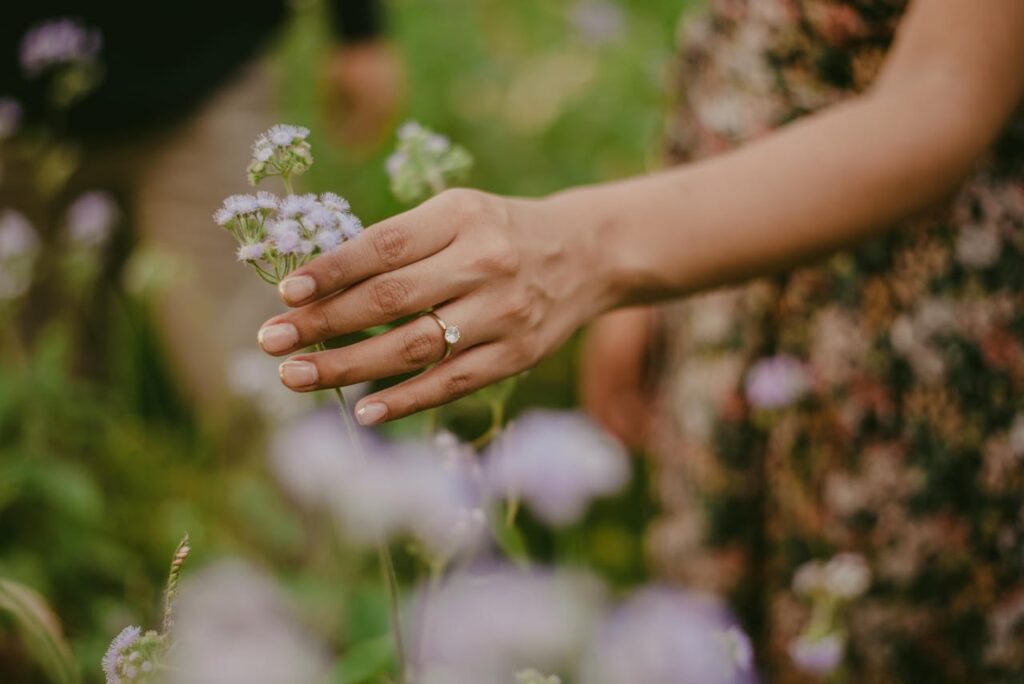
(321, 322)
(390, 243)
(466, 206)
(419, 348)
(518, 310)
(456, 385)
(500, 258)
(334, 266)
(390, 296)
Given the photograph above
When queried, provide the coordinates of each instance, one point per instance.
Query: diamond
(452, 334)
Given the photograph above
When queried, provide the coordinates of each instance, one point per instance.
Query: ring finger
(407, 348)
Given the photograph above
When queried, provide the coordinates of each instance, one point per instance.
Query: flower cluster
(134, 657)
(488, 625)
(425, 163)
(281, 151)
(830, 587)
(276, 235)
(61, 42)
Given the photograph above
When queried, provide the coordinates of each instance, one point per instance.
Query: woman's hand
(615, 378)
(514, 283)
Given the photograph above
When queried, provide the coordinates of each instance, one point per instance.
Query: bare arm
(519, 276)
(953, 78)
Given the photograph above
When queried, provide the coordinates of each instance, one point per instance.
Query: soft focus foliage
(103, 464)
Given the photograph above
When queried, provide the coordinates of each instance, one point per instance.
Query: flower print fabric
(905, 443)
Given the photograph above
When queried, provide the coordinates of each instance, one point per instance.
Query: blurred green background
(98, 480)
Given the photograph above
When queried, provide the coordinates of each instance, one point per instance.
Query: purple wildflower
(777, 381)
(668, 636)
(91, 218)
(55, 43)
(114, 657)
(819, 656)
(556, 462)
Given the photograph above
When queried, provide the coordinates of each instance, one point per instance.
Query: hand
(515, 282)
(615, 363)
(364, 85)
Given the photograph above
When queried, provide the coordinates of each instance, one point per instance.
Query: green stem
(288, 185)
(387, 564)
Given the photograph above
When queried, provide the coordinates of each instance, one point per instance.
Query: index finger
(385, 246)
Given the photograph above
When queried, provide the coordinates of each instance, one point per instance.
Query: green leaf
(40, 630)
(366, 661)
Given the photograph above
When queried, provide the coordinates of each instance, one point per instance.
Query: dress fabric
(890, 422)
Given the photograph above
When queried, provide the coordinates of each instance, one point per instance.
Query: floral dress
(870, 405)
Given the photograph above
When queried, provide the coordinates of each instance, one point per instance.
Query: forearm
(816, 186)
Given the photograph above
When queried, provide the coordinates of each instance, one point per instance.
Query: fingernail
(278, 338)
(372, 413)
(296, 289)
(298, 373)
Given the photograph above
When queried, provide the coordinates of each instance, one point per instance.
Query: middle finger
(379, 300)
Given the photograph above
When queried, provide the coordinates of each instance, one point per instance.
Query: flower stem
(387, 564)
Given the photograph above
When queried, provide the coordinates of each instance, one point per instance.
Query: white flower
(809, 578)
(17, 238)
(240, 205)
(978, 246)
(252, 252)
(395, 162)
(847, 575)
(267, 200)
(556, 462)
(335, 202)
(91, 217)
(351, 226)
(19, 247)
(819, 657)
(326, 240)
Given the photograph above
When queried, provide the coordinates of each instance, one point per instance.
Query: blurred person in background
(184, 92)
(850, 186)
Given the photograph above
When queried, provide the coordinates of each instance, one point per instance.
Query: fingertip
(371, 412)
(296, 290)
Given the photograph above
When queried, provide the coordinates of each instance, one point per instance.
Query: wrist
(594, 228)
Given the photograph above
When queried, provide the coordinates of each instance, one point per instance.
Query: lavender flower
(487, 626)
(114, 658)
(667, 636)
(19, 248)
(280, 151)
(234, 627)
(91, 218)
(10, 117)
(58, 43)
(405, 489)
(819, 657)
(424, 163)
(777, 382)
(556, 462)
